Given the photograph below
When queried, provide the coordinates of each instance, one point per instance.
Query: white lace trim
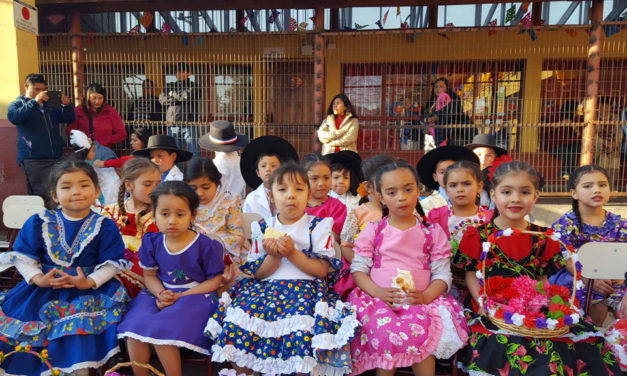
(274, 366)
(6, 263)
(346, 332)
(46, 235)
(172, 342)
(269, 329)
(148, 267)
(132, 277)
(119, 265)
(78, 366)
(449, 342)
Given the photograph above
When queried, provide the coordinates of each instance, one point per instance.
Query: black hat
(348, 159)
(486, 140)
(426, 165)
(222, 137)
(265, 144)
(163, 142)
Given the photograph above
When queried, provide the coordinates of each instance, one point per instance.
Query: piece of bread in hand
(404, 280)
(272, 233)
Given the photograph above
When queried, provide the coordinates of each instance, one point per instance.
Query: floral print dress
(614, 229)
(493, 351)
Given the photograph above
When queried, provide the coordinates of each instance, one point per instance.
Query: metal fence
(528, 93)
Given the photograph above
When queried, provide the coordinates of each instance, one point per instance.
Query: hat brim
(499, 151)
(181, 155)
(348, 159)
(206, 143)
(264, 144)
(426, 165)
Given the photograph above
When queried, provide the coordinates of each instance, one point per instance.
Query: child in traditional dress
(69, 303)
(260, 158)
(431, 169)
(587, 222)
(219, 211)
(284, 320)
(491, 350)
(411, 321)
(369, 210)
(182, 271)
(164, 152)
(463, 183)
(345, 177)
(134, 215)
(616, 334)
(320, 203)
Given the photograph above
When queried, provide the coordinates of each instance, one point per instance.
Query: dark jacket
(38, 134)
(180, 100)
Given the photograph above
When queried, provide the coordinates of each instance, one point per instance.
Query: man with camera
(37, 115)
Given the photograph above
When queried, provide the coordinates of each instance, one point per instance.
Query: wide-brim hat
(348, 159)
(426, 165)
(264, 144)
(222, 137)
(486, 140)
(164, 142)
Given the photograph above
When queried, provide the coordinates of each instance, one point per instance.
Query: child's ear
(435, 177)
(97, 192)
(127, 185)
(480, 186)
(257, 172)
(175, 155)
(492, 195)
(53, 195)
(574, 195)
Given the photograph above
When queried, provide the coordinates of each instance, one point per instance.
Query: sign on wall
(25, 17)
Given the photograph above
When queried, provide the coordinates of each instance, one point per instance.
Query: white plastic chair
(15, 215)
(22, 200)
(247, 219)
(602, 260)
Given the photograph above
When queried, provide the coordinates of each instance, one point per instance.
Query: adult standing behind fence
(97, 119)
(147, 107)
(39, 140)
(442, 111)
(180, 100)
(340, 129)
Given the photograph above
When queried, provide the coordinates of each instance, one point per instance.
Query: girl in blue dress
(69, 302)
(284, 320)
(182, 271)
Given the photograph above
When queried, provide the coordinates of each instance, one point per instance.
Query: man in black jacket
(180, 100)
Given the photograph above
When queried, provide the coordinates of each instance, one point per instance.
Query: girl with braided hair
(588, 222)
(133, 214)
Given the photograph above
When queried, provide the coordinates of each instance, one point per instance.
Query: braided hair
(574, 179)
(132, 170)
(513, 166)
(393, 166)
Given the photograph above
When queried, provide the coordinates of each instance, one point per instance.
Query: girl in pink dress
(409, 327)
(463, 184)
(320, 204)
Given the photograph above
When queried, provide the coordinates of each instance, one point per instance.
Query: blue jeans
(569, 155)
(186, 137)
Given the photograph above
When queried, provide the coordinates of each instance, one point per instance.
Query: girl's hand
(78, 281)
(98, 163)
(45, 280)
(285, 246)
(603, 286)
(390, 295)
(415, 297)
(271, 247)
(482, 311)
(229, 274)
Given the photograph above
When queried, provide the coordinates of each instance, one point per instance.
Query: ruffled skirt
(283, 327)
(492, 351)
(616, 336)
(391, 338)
(77, 327)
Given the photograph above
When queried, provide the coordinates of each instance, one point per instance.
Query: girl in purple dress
(320, 204)
(182, 271)
(589, 222)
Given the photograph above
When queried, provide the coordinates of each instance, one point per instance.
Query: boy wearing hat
(431, 169)
(226, 143)
(260, 158)
(163, 152)
(485, 147)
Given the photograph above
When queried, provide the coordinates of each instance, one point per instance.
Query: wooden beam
(101, 6)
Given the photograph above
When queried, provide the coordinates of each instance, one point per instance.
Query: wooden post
(592, 83)
(433, 16)
(319, 79)
(78, 59)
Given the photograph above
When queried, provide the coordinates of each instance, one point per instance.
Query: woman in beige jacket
(340, 129)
